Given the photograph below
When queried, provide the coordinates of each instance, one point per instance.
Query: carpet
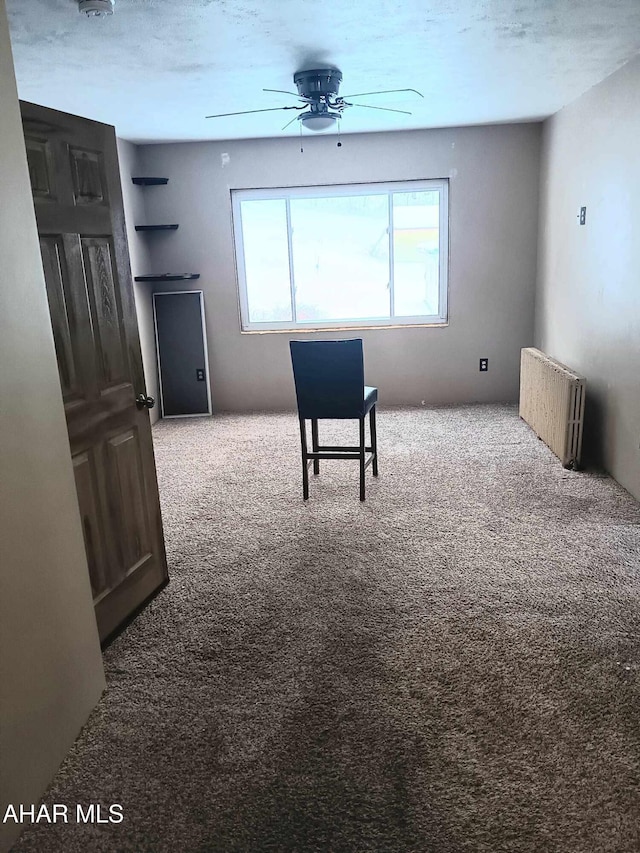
(450, 666)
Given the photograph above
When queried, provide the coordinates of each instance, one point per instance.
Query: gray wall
(493, 205)
(588, 302)
(50, 666)
(135, 200)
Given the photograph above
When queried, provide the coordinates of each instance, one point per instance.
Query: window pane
(266, 260)
(416, 253)
(340, 257)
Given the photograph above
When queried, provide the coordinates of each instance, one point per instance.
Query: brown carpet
(451, 666)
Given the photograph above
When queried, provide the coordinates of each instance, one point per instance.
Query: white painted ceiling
(157, 67)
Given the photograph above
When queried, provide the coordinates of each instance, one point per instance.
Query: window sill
(352, 329)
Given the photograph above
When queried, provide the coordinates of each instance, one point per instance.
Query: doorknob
(143, 400)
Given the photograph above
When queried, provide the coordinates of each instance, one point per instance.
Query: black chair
(329, 380)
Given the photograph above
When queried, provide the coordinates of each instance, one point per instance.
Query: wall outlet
(200, 374)
(583, 216)
(484, 365)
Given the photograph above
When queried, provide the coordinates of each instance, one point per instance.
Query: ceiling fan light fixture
(96, 8)
(319, 122)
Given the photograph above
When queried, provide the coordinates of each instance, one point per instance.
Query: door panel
(40, 171)
(87, 173)
(89, 504)
(56, 278)
(105, 309)
(78, 202)
(127, 490)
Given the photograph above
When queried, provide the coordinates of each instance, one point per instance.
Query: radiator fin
(552, 403)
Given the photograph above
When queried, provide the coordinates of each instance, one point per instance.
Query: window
(336, 256)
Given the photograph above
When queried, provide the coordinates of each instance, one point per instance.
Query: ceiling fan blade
(369, 107)
(246, 112)
(295, 118)
(293, 94)
(382, 92)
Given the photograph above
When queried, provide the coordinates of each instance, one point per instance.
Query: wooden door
(75, 180)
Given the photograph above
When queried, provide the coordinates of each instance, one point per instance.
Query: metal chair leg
(305, 470)
(374, 440)
(314, 444)
(362, 446)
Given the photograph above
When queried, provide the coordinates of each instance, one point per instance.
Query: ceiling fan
(322, 107)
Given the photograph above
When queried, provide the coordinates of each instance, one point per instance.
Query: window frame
(332, 191)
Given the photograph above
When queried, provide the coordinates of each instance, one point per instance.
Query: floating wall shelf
(189, 276)
(168, 277)
(156, 227)
(150, 182)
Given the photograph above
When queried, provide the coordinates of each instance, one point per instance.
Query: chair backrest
(329, 378)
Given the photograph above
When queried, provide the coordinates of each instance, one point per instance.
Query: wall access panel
(182, 354)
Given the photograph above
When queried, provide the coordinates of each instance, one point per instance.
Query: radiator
(552, 403)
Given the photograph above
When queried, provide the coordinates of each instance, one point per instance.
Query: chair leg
(314, 444)
(305, 470)
(362, 446)
(374, 440)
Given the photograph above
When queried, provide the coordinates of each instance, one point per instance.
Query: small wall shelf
(168, 277)
(150, 182)
(156, 227)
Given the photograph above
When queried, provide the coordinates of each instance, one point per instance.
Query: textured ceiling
(157, 67)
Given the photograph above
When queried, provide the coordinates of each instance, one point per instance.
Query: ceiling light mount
(96, 8)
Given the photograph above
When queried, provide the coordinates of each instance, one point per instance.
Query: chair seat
(370, 397)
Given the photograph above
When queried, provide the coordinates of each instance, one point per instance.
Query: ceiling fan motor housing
(96, 8)
(318, 83)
